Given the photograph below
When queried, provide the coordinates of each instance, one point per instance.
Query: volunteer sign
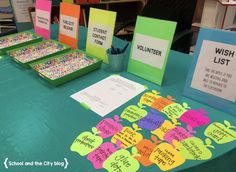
(150, 48)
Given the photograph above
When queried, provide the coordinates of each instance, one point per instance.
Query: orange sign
(69, 24)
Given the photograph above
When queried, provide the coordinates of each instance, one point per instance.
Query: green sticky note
(100, 32)
(68, 1)
(150, 48)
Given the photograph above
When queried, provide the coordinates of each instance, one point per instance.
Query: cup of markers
(116, 58)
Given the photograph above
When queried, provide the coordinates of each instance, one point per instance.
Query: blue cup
(116, 61)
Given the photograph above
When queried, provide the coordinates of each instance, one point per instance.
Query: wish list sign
(150, 48)
(212, 76)
(43, 18)
(100, 32)
(69, 24)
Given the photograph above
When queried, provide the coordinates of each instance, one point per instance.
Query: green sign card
(150, 48)
(100, 32)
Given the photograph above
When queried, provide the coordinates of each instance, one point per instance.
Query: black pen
(113, 50)
(125, 48)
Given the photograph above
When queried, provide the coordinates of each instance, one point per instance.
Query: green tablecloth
(39, 122)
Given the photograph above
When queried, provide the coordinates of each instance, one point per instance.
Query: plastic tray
(17, 40)
(35, 52)
(68, 63)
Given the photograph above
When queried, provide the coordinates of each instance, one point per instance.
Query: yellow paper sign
(100, 32)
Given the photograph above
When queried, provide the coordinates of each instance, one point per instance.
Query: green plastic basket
(70, 76)
(64, 48)
(35, 38)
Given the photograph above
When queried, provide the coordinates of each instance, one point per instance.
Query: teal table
(39, 122)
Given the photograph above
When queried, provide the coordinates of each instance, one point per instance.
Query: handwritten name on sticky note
(193, 148)
(128, 136)
(122, 161)
(134, 113)
(195, 118)
(108, 127)
(174, 110)
(161, 103)
(221, 133)
(86, 142)
(178, 134)
(145, 148)
(99, 155)
(152, 121)
(149, 98)
(163, 129)
(166, 157)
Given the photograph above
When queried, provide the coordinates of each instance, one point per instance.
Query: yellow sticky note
(128, 136)
(166, 157)
(163, 129)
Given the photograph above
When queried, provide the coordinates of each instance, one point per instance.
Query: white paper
(150, 50)
(68, 26)
(216, 78)
(42, 19)
(108, 94)
(100, 35)
(21, 10)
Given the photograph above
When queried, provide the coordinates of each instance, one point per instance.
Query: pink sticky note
(99, 155)
(43, 18)
(178, 134)
(108, 127)
(195, 118)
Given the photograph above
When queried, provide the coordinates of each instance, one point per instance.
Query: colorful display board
(150, 48)
(212, 77)
(69, 24)
(43, 18)
(174, 139)
(100, 32)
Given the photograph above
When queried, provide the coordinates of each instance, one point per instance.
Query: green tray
(58, 48)
(35, 38)
(70, 76)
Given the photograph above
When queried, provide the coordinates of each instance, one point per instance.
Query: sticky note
(86, 142)
(221, 133)
(109, 127)
(122, 161)
(194, 148)
(166, 157)
(128, 136)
